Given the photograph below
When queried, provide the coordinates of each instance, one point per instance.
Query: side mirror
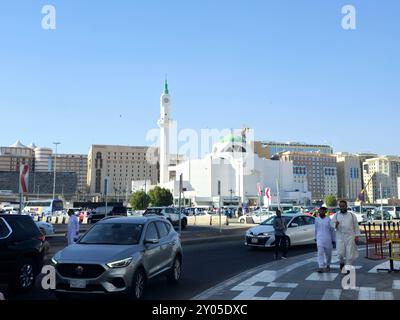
(294, 225)
(151, 241)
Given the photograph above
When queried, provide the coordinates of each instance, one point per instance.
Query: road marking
(332, 294)
(322, 277)
(396, 284)
(283, 285)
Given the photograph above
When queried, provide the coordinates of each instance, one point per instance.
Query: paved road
(205, 265)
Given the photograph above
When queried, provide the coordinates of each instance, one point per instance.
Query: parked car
(256, 217)
(393, 210)
(45, 228)
(22, 250)
(118, 256)
(171, 214)
(377, 215)
(301, 231)
(101, 213)
(361, 217)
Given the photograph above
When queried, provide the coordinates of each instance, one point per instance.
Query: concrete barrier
(207, 220)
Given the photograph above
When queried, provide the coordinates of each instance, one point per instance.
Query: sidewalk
(297, 279)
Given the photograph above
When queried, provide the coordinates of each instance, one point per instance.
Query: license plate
(78, 284)
(254, 240)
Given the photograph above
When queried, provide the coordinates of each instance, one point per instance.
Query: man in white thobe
(347, 233)
(73, 227)
(325, 237)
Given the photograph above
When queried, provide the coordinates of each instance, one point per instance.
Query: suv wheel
(176, 271)
(25, 278)
(138, 284)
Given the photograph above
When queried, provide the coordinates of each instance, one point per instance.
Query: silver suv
(118, 256)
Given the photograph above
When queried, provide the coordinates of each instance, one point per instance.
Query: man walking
(325, 237)
(73, 227)
(347, 233)
(280, 228)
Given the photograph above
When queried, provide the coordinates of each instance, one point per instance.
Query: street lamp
(55, 169)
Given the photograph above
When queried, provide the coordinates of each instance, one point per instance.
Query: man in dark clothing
(280, 228)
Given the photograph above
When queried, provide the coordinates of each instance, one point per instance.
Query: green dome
(231, 138)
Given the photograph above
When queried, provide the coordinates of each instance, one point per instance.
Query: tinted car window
(309, 220)
(113, 234)
(151, 232)
(23, 227)
(299, 221)
(162, 229)
(58, 205)
(4, 231)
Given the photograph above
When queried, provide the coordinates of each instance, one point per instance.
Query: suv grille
(80, 271)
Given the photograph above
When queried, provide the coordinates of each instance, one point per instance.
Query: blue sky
(285, 68)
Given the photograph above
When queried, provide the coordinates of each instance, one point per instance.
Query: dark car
(101, 213)
(22, 250)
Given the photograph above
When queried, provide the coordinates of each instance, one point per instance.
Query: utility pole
(55, 169)
(180, 211)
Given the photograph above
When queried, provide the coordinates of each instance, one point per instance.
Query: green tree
(160, 197)
(139, 200)
(330, 201)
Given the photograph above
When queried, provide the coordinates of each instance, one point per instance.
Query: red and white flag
(23, 178)
(268, 193)
(259, 189)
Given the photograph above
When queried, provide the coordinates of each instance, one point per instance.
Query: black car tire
(184, 223)
(25, 278)
(138, 284)
(176, 271)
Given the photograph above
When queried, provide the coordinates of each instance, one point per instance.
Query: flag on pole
(361, 196)
(259, 189)
(268, 193)
(23, 178)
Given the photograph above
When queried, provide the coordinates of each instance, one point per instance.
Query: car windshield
(270, 221)
(113, 234)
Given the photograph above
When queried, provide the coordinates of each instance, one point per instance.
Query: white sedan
(301, 231)
(46, 228)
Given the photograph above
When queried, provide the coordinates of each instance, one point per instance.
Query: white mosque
(229, 175)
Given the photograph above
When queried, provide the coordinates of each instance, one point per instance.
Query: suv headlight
(266, 234)
(120, 263)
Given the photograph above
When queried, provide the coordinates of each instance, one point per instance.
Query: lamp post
(55, 169)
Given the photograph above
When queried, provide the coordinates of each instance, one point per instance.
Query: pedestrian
(325, 238)
(280, 227)
(73, 227)
(347, 234)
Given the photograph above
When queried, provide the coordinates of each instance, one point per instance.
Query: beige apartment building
(317, 171)
(122, 165)
(13, 156)
(349, 176)
(383, 171)
(76, 163)
(268, 149)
